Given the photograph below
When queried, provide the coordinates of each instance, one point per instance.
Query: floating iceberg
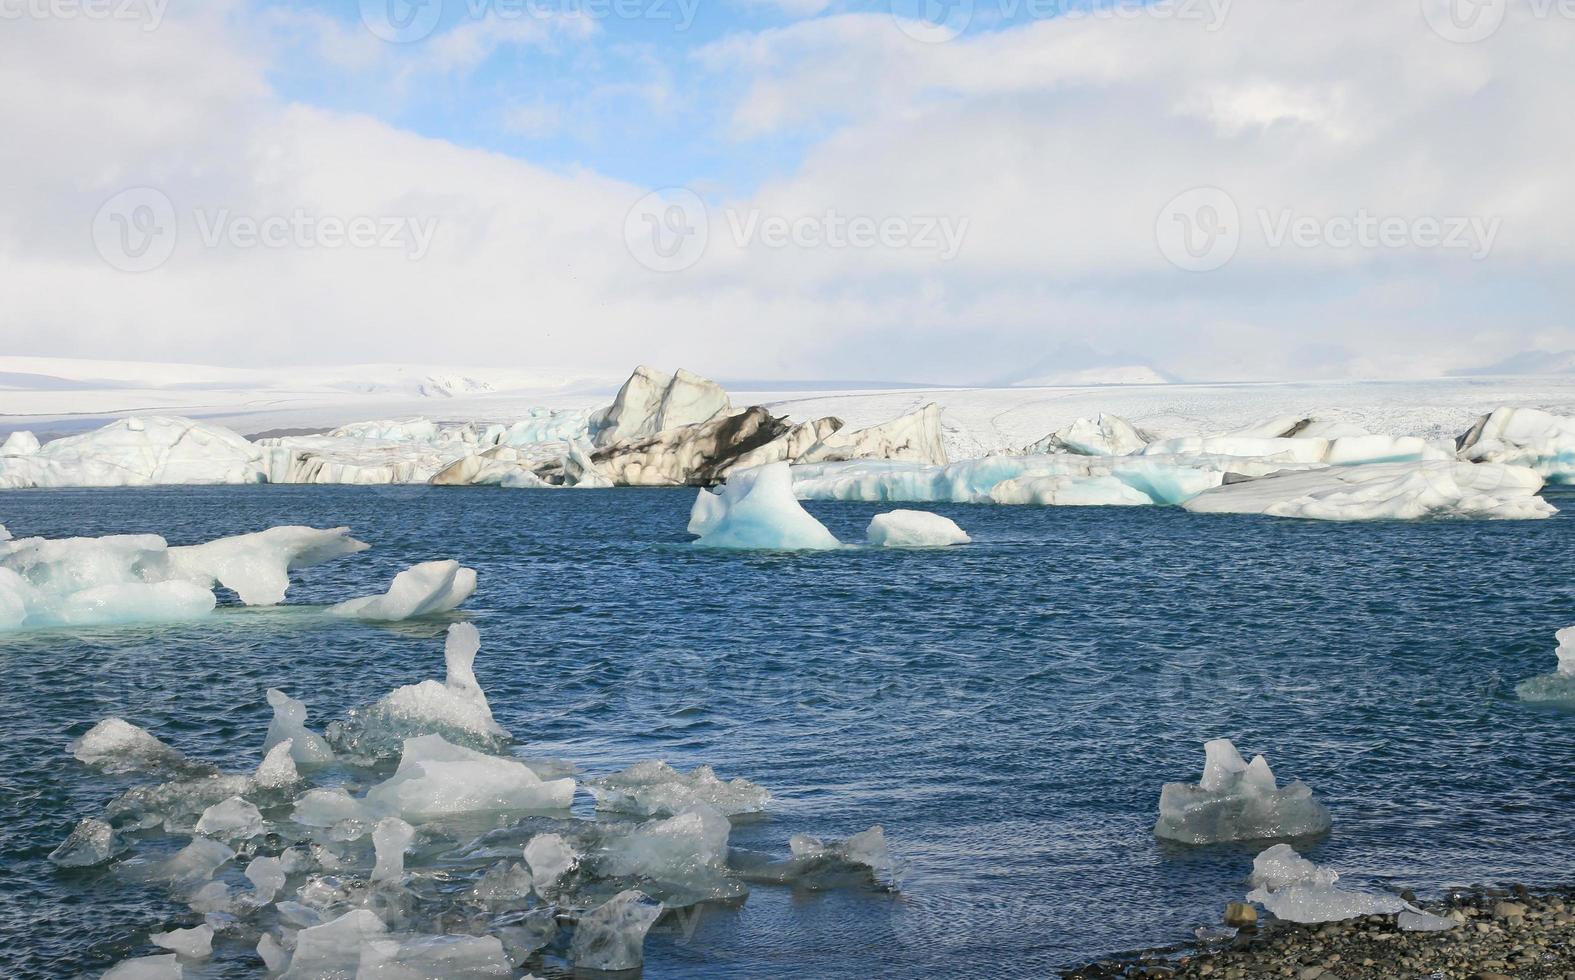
(914, 529)
(756, 509)
(165, 967)
(1559, 686)
(390, 841)
(434, 958)
(427, 589)
(1107, 435)
(231, 819)
(915, 438)
(1305, 447)
(277, 770)
(257, 566)
(455, 708)
(1237, 801)
(1296, 890)
(436, 778)
(195, 863)
(690, 845)
(1385, 491)
(1524, 437)
(20, 443)
(655, 789)
(191, 944)
(115, 746)
(612, 936)
(866, 849)
(137, 452)
(333, 949)
(651, 401)
(307, 748)
(549, 858)
(707, 453)
(90, 844)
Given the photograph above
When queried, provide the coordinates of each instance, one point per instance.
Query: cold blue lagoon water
(1006, 710)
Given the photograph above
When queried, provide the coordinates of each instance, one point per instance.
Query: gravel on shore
(1502, 934)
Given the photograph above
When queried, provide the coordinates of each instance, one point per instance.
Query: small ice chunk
(274, 957)
(445, 957)
(756, 509)
(656, 789)
(192, 944)
(116, 746)
(1418, 921)
(330, 808)
(867, 848)
(612, 936)
(267, 877)
(1296, 890)
(277, 770)
(436, 778)
(91, 843)
(504, 882)
(1237, 801)
(165, 967)
(681, 847)
(390, 840)
(231, 819)
(427, 589)
(914, 529)
(196, 862)
(457, 706)
(1557, 688)
(289, 722)
(333, 949)
(550, 857)
(212, 897)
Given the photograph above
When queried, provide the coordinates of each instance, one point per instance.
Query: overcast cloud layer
(860, 195)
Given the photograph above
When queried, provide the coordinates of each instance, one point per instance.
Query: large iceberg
(1385, 491)
(1559, 686)
(756, 509)
(427, 589)
(1107, 435)
(651, 401)
(135, 452)
(1296, 890)
(1524, 437)
(914, 529)
(139, 578)
(1236, 800)
(436, 778)
(706, 453)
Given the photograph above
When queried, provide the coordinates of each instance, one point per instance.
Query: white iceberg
(612, 935)
(333, 949)
(195, 863)
(1385, 491)
(914, 529)
(277, 770)
(434, 958)
(114, 745)
(866, 848)
(651, 401)
(1559, 686)
(20, 443)
(267, 876)
(257, 566)
(756, 509)
(436, 779)
(137, 452)
(1237, 801)
(231, 819)
(333, 808)
(427, 589)
(91, 843)
(914, 438)
(1106, 435)
(549, 858)
(166, 967)
(390, 841)
(1296, 890)
(655, 789)
(307, 748)
(1524, 437)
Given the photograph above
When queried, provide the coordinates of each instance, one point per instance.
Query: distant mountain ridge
(1532, 362)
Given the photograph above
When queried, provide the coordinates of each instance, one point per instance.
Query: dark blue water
(1006, 710)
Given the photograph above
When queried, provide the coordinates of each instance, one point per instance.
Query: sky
(947, 191)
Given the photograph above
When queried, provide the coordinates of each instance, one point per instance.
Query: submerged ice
(1237, 800)
(1559, 686)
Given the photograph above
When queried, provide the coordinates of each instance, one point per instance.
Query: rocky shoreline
(1502, 934)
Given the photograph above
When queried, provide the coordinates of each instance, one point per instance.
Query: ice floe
(914, 529)
(652, 789)
(1385, 491)
(1297, 890)
(1236, 800)
(756, 509)
(1559, 686)
(427, 589)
